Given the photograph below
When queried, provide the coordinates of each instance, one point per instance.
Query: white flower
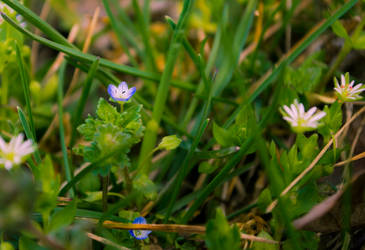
(347, 92)
(302, 121)
(121, 93)
(14, 152)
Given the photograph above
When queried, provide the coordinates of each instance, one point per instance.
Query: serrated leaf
(220, 235)
(106, 111)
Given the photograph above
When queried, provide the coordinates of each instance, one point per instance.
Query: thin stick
(175, 228)
(315, 161)
(105, 241)
(355, 158)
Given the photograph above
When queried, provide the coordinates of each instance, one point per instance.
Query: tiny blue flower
(140, 234)
(121, 93)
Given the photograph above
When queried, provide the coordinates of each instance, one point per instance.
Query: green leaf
(6, 246)
(308, 146)
(49, 186)
(28, 244)
(62, 217)
(223, 136)
(264, 199)
(264, 246)
(359, 43)
(106, 112)
(169, 142)
(220, 235)
(145, 186)
(207, 168)
(339, 30)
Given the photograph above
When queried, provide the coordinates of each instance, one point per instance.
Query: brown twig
(315, 161)
(105, 241)
(174, 228)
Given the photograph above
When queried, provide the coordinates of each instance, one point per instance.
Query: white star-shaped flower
(302, 121)
(347, 92)
(121, 93)
(14, 152)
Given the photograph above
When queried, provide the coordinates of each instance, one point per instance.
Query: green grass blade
(67, 167)
(82, 102)
(29, 133)
(38, 22)
(143, 21)
(292, 56)
(25, 82)
(120, 30)
(150, 136)
(84, 57)
(184, 170)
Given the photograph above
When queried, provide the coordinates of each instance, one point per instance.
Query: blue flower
(140, 234)
(121, 93)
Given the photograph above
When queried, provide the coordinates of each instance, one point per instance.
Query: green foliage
(111, 131)
(62, 218)
(170, 142)
(220, 235)
(262, 245)
(238, 132)
(49, 184)
(306, 77)
(332, 121)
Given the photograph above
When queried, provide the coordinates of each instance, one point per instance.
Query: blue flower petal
(140, 234)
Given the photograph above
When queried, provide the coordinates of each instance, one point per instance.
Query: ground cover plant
(181, 124)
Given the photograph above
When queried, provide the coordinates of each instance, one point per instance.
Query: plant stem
(105, 191)
(150, 137)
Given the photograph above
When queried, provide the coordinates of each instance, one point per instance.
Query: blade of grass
(119, 30)
(66, 164)
(150, 136)
(25, 82)
(184, 170)
(230, 63)
(29, 133)
(142, 22)
(38, 22)
(85, 57)
(82, 102)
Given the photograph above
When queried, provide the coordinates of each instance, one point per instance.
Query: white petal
(343, 80)
(113, 91)
(295, 111)
(317, 116)
(310, 112)
(8, 165)
(288, 110)
(123, 87)
(3, 145)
